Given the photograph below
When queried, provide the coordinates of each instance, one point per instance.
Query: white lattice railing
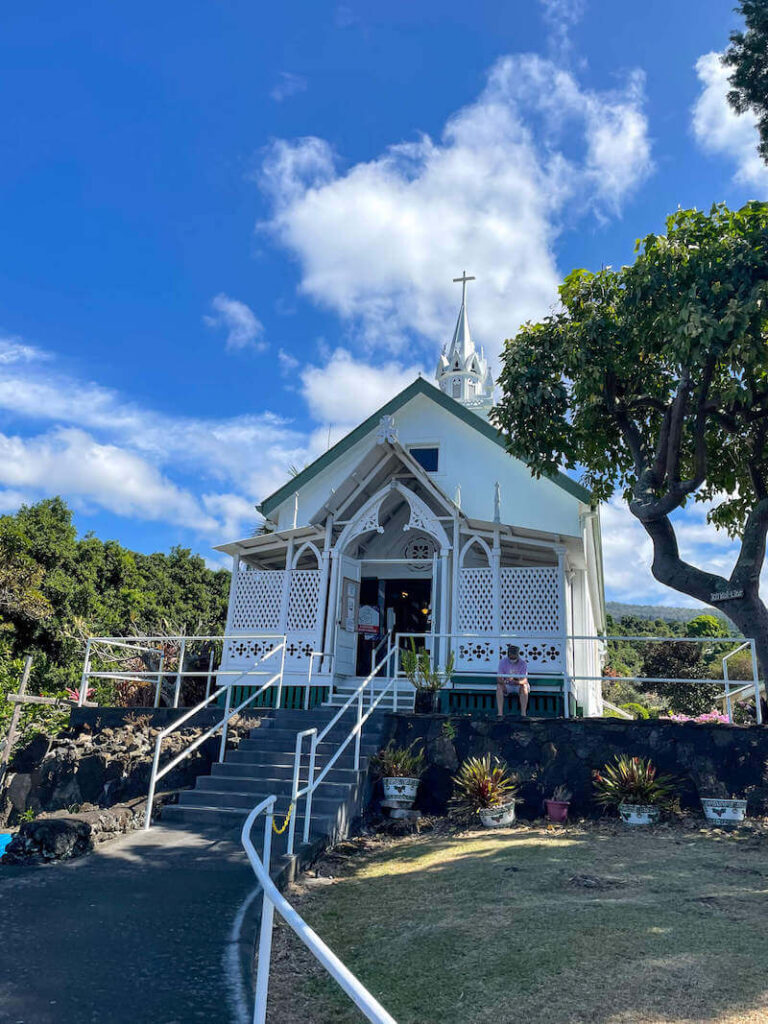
(276, 601)
(528, 606)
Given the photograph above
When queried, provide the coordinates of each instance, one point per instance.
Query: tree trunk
(748, 612)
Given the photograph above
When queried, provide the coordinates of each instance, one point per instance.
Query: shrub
(479, 784)
(398, 762)
(636, 709)
(632, 780)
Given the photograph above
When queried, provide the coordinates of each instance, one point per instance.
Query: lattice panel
(530, 602)
(249, 654)
(258, 600)
(304, 601)
(483, 656)
(475, 601)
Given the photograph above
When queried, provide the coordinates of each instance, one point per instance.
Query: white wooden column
(562, 618)
(496, 582)
(333, 601)
(283, 628)
(444, 620)
(324, 611)
(455, 587)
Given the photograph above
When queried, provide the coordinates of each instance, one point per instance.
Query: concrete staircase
(263, 765)
(342, 690)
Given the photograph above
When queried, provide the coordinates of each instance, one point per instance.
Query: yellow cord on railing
(284, 826)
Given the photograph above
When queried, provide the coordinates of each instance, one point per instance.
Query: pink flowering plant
(709, 718)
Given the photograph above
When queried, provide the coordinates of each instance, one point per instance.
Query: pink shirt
(513, 668)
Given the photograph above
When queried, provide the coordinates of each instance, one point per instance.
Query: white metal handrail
(307, 792)
(312, 656)
(229, 713)
(180, 673)
(272, 901)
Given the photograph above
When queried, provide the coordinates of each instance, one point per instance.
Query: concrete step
(281, 772)
(321, 805)
(285, 758)
(177, 815)
(325, 748)
(267, 785)
(288, 736)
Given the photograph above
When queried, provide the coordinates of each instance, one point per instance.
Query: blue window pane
(426, 458)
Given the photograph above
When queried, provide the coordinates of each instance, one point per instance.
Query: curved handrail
(274, 900)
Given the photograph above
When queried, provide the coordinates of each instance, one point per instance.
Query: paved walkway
(143, 930)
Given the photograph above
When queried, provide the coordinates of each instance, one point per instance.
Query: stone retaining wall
(546, 753)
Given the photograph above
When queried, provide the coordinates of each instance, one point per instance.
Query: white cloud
(628, 553)
(13, 350)
(288, 84)
(72, 462)
(380, 242)
(720, 130)
(347, 390)
(244, 329)
(560, 17)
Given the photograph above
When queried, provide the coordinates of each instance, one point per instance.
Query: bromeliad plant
(398, 762)
(480, 784)
(633, 780)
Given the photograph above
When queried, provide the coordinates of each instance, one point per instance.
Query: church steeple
(462, 373)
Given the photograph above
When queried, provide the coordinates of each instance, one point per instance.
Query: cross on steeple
(463, 280)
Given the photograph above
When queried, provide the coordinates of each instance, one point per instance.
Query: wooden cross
(463, 279)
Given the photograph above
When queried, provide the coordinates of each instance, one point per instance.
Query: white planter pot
(401, 789)
(723, 812)
(639, 814)
(498, 817)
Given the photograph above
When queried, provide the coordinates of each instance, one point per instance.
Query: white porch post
(286, 596)
(444, 641)
(324, 597)
(562, 620)
(496, 582)
(333, 601)
(455, 582)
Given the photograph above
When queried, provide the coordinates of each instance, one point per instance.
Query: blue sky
(230, 228)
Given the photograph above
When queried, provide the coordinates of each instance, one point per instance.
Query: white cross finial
(463, 279)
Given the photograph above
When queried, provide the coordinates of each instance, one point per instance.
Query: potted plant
(400, 769)
(486, 789)
(558, 804)
(426, 680)
(634, 787)
(722, 809)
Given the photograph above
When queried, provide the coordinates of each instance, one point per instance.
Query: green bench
(475, 694)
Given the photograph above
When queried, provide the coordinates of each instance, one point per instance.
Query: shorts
(513, 686)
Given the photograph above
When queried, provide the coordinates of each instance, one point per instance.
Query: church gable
(471, 458)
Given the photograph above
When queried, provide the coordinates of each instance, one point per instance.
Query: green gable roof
(419, 387)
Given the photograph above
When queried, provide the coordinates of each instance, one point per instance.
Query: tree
(56, 588)
(748, 56)
(654, 378)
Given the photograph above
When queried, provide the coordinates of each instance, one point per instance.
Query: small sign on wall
(368, 619)
(350, 594)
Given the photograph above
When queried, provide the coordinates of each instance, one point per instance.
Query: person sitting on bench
(512, 678)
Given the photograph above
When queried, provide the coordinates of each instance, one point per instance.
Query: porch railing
(273, 900)
(571, 658)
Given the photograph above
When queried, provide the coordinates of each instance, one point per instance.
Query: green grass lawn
(597, 923)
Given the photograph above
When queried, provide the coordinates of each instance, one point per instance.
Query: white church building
(418, 522)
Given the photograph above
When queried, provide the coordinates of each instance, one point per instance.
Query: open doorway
(403, 606)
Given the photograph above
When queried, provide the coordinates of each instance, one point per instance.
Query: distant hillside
(659, 611)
